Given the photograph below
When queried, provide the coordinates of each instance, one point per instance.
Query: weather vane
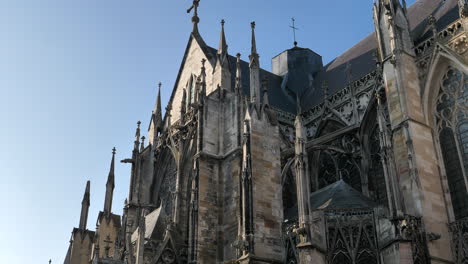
(294, 28)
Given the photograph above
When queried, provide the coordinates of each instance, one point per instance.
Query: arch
(442, 58)
(164, 180)
(372, 166)
(328, 125)
(446, 113)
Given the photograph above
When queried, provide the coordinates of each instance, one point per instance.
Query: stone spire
(254, 71)
(157, 108)
(137, 137)
(222, 71)
(238, 85)
(110, 186)
(203, 79)
(222, 49)
(85, 207)
(156, 120)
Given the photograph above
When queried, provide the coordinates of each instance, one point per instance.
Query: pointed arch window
(451, 119)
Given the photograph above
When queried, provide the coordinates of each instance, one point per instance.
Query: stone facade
(362, 160)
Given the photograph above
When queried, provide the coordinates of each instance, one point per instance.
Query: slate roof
(339, 196)
(276, 95)
(360, 56)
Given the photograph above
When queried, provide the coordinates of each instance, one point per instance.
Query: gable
(191, 65)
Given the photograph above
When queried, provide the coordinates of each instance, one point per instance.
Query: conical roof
(339, 196)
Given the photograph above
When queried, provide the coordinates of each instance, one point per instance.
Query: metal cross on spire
(195, 18)
(294, 28)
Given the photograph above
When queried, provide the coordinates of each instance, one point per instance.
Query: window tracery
(452, 128)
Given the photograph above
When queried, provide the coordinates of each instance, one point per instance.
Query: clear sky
(76, 76)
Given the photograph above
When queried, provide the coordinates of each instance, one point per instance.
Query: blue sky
(76, 76)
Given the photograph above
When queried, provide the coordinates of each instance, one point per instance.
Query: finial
(195, 18)
(222, 22)
(139, 123)
(113, 151)
(203, 61)
(50, 261)
(159, 85)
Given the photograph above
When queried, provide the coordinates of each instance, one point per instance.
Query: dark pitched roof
(339, 196)
(276, 95)
(360, 56)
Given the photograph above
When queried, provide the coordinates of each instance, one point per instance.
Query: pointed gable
(195, 51)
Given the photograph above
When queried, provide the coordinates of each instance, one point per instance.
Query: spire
(156, 120)
(110, 186)
(254, 71)
(137, 136)
(203, 79)
(157, 107)
(222, 49)
(254, 43)
(85, 207)
(265, 92)
(238, 86)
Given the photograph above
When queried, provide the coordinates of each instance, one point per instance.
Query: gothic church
(361, 161)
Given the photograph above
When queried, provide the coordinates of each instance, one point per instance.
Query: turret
(110, 186)
(254, 66)
(85, 207)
